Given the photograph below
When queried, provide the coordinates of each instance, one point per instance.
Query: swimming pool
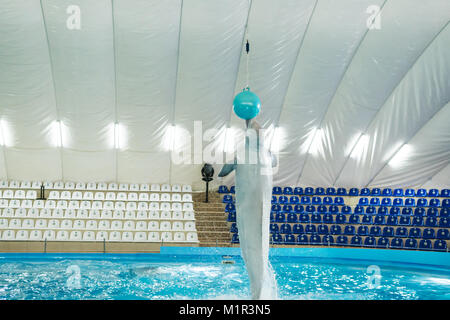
(199, 273)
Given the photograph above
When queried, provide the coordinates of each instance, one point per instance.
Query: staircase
(211, 221)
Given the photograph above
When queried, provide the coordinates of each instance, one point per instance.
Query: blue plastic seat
(394, 211)
(310, 209)
(369, 242)
(383, 242)
(363, 201)
(333, 209)
(446, 203)
(445, 212)
(298, 208)
(349, 230)
(391, 220)
(363, 231)
(277, 238)
(434, 203)
(294, 200)
(335, 229)
(287, 208)
(230, 207)
(422, 202)
(302, 239)
(407, 212)
(410, 202)
(443, 234)
(356, 241)
(346, 209)
(223, 189)
(327, 218)
(417, 221)
(319, 191)
(233, 189)
(378, 219)
(398, 202)
(353, 219)
(309, 191)
(274, 200)
(421, 193)
(387, 192)
(303, 218)
(366, 219)
(341, 218)
(231, 217)
(339, 201)
(432, 212)
(275, 208)
(397, 243)
(315, 239)
(375, 192)
(322, 229)
(425, 244)
(277, 190)
(285, 228)
(316, 218)
(375, 231)
(398, 193)
(409, 193)
(305, 200)
(330, 191)
(410, 244)
(388, 232)
(401, 232)
(353, 192)
(433, 193)
(235, 238)
(440, 245)
(431, 222)
(341, 192)
(322, 209)
(371, 210)
(382, 211)
(444, 222)
(415, 233)
(404, 221)
(274, 228)
(327, 200)
(288, 191)
(420, 212)
(327, 240)
(364, 192)
(233, 228)
(316, 200)
(297, 229)
(227, 199)
(292, 218)
(280, 217)
(298, 191)
(272, 217)
(342, 240)
(428, 233)
(283, 200)
(386, 202)
(359, 209)
(445, 193)
(289, 239)
(310, 229)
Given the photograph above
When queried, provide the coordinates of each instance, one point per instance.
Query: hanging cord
(247, 49)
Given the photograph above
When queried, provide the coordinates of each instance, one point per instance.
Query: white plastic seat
(36, 184)
(62, 235)
(88, 195)
(123, 186)
(77, 195)
(155, 187)
(143, 197)
(76, 236)
(176, 188)
(115, 236)
(89, 236)
(45, 213)
(111, 196)
(74, 204)
(27, 204)
(40, 224)
(104, 225)
(48, 185)
(33, 213)
(8, 194)
(101, 235)
(98, 205)
(102, 186)
(187, 206)
(113, 186)
(120, 205)
(4, 223)
(8, 235)
(91, 225)
(142, 206)
(31, 194)
(69, 185)
(53, 224)
(154, 197)
(28, 224)
(166, 187)
(165, 226)
(14, 203)
(58, 213)
(82, 214)
(106, 214)
(176, 197)
(8, 212)
(50, 204)
(80, 186)
(186, 188)
(118, 214)
(130, 215)
(152, 214)
(141, 225)
(153, 236)
(129, 225)
(21, 213)
(85, 204)
(186, 197)
(166, 236)
(166, 215)
(99, 196)
(36, 235)
(165, 206)
(15, 223)
(49, 235)
(179, 237)
(70, 214)
(25, 185)
(116, 225)
(176, 206)
(95, 214)
(131, 206)
(189, 226)
(19, 194)
(191, 237)
(108, 205)
(62, 204)
(134, 187)
(177, 215)
(153, 225)
(58, 185)
(14, 184)
(165, 197)
(65, 195)
(127, 236)
(144, 187)
(91, 186)
(4, 203)
(121, 196)
(39, 204)
(3, 184)
(140, 236)
(177, 226)
(132, 196)
(141, 214)
(66, 224)
(78, 224)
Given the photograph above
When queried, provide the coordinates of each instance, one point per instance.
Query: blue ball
(246, 104)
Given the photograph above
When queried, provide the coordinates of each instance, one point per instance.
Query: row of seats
(86, 204)
(66, 224)
(398, 202)
(116, 236)
(356, 241)
(95, 214)
(101, 186)
(352, 192)
(334, 209)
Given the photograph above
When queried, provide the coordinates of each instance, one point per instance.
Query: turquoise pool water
(197, 276)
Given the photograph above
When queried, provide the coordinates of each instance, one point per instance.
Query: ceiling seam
(115, 125)
(390, 95)
(435, 174)
(337, 89)
(54, 90)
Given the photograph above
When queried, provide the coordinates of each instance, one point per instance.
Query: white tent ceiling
(354, 106)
